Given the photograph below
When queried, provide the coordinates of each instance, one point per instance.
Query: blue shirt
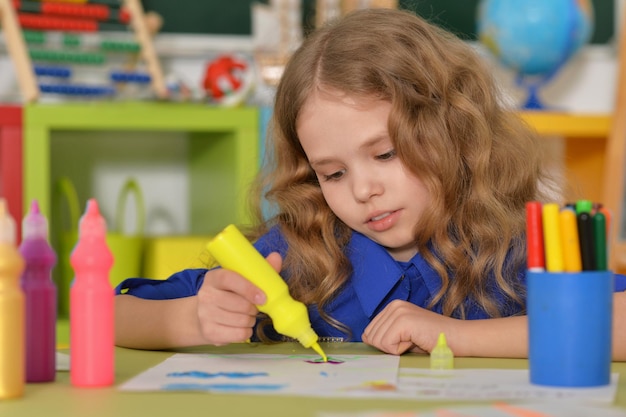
(377, 279)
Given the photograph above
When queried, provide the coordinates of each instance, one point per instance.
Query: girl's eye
(334, 176)
(387, 155)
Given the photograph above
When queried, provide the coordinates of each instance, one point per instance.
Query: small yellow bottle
(12, 311)
(233, 251)
(441, 357)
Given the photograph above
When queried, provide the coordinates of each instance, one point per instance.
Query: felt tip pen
(570, 241)
(599, 241)
(552, 237)
(534, 237)
(586, 237)
(232, 250)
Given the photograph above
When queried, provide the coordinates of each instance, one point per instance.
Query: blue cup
(570, 327)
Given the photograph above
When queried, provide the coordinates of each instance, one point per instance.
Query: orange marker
(569, 241)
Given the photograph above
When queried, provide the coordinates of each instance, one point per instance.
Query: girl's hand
(227, 305)
(403, 326)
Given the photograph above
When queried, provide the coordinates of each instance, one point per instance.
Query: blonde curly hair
(479, 161)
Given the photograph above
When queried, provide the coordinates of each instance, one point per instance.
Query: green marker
(599, 240)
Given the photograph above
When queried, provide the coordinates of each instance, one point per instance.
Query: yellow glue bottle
(441, 357)
(233, 251)
(12, 311)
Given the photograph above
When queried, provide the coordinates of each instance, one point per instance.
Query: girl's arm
(619, 326)
(156, 324)
(224, 311)
(403, 326)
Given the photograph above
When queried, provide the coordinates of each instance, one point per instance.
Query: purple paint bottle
(41, 297)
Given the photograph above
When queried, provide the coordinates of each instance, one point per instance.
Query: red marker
(534, 237)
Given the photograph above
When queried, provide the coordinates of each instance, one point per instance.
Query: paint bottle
(12, 333)
(41, 297)
(290, 317)
(91, 304)
(441, 357)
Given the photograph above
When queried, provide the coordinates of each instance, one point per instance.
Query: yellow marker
(569, 240)
(290, 317)
(552, 237)
(441, 356)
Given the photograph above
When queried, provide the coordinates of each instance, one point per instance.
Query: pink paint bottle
(41, 297)
(91, 304)
(12, 334)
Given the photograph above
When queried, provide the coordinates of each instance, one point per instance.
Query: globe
(534, 38)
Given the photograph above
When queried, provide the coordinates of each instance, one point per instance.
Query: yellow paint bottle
(233, 251)
(12, 311)
(441, 357)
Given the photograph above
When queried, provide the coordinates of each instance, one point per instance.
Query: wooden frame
(18, 50)
(614, 188)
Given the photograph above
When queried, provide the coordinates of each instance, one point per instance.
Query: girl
(399, 185)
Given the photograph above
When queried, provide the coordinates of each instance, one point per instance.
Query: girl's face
(362, 179)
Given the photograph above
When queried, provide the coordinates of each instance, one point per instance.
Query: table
(62, 399)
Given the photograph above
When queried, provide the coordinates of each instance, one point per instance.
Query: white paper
(372, 376)
(491, 384)
(342, 376)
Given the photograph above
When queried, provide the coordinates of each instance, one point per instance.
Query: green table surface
(60, 398)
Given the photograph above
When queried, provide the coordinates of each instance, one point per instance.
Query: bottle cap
(35, 224)
(7, 224)
(441, 356)
(584, 206)
(308, 339)
(92, 223)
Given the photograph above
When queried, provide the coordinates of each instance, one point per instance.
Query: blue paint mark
(324, 373)
(206, 375)
(222, 387)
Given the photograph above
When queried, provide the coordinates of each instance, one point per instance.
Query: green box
(223, 146)
(224, 149)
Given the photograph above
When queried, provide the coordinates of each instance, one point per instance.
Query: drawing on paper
(358, 375)
(331, 361)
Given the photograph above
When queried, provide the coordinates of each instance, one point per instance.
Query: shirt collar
(376, 273)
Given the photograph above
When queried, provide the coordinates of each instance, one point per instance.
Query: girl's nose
(366, 186)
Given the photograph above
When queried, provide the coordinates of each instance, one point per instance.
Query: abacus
(48, 39)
